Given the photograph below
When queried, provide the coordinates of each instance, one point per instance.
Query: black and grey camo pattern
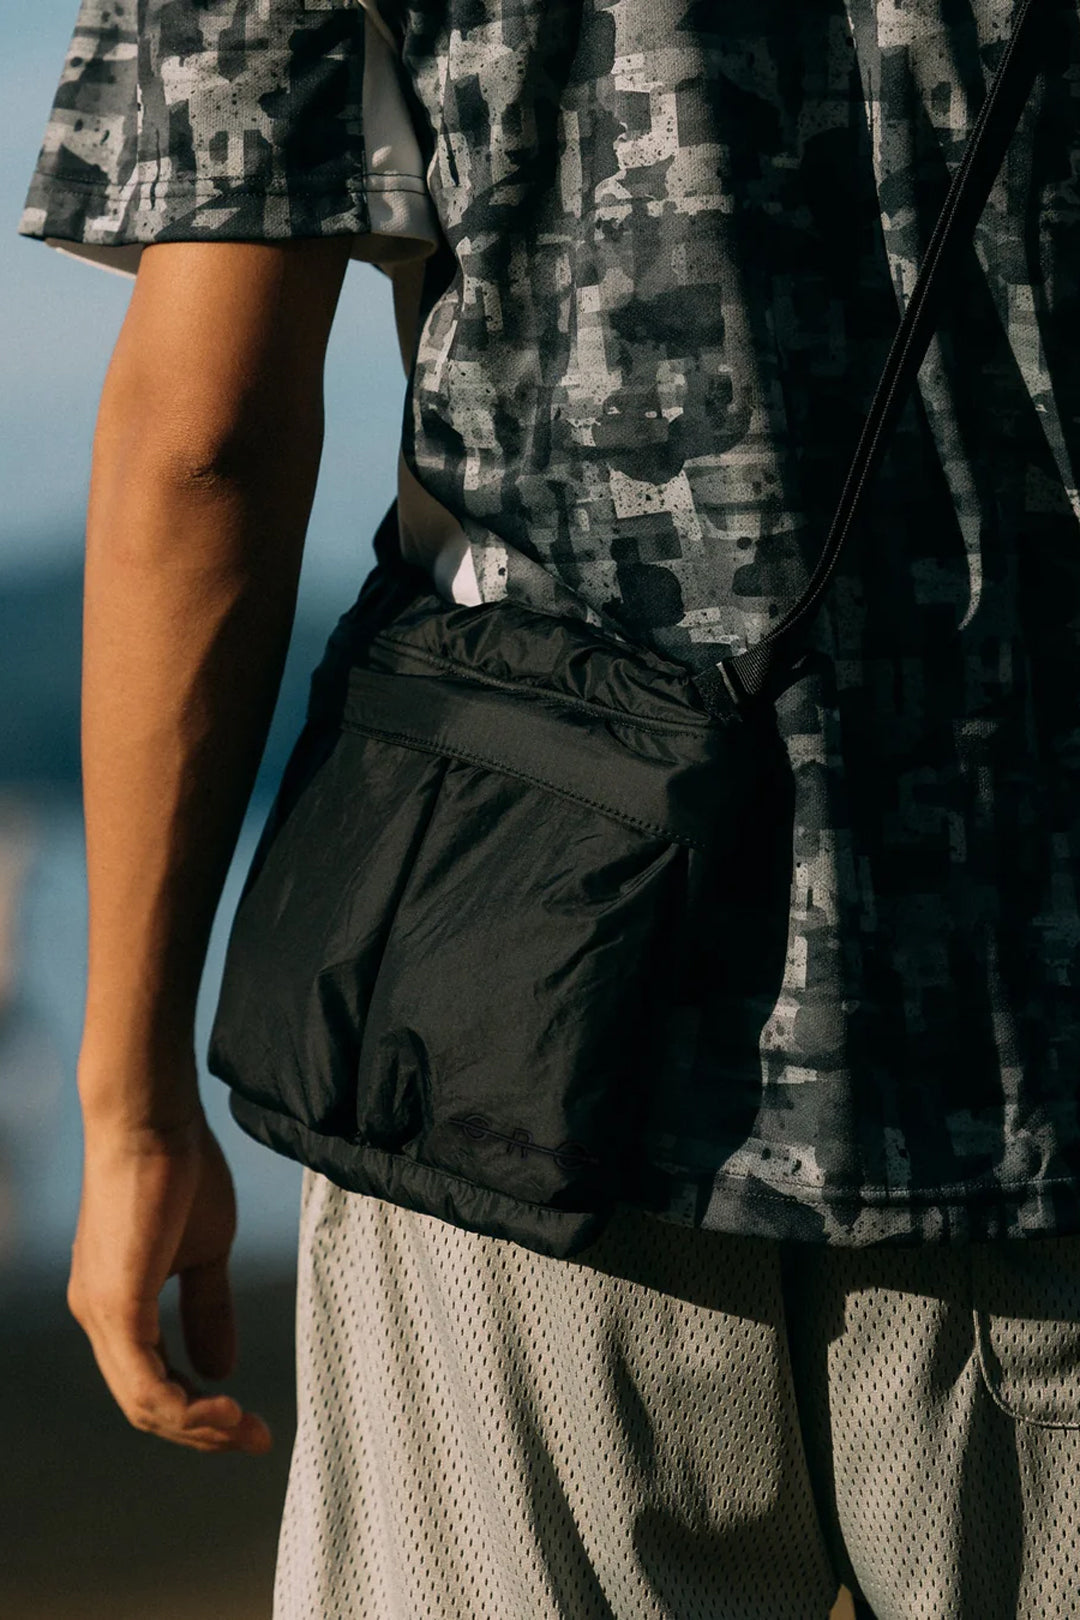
(682, 230)
(679, 233)
(180, 121)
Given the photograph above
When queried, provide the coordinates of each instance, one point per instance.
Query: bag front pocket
(310, 929)
(515, 997)
(1026, 1303)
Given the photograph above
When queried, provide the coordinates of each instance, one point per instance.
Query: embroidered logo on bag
(568, 1156)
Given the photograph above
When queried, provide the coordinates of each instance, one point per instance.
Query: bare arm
(205, 459)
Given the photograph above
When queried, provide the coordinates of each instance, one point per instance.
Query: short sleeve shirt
(252, 121)
(668, 242)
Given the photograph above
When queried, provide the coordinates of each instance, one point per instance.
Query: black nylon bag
(502, 855)
(498, 859)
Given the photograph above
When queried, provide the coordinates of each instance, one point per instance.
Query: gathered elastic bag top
(492, 871)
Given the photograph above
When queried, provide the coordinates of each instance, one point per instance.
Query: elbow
(201, 439)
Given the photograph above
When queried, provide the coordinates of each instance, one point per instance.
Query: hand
(158, 1203)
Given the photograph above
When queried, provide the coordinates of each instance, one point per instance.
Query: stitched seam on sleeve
(181, 187)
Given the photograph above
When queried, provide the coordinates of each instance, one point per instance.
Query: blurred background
(97, 1519)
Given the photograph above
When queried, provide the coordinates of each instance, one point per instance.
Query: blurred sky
(58, 321)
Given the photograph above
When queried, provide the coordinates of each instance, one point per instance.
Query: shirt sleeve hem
(109, 225)
(220, 188)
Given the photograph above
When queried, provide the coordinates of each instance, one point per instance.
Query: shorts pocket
(1026, 1305)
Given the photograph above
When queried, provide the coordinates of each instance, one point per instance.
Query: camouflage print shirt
(674, 237)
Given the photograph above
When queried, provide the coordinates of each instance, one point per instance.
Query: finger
(249, 1433)
(226, 1412)
(209, 1415)
(207, 1318)
(159, 1400)
(211, 1440)
(219, 1411)
(128, 1348)
(152, 1395)
(252, 1434)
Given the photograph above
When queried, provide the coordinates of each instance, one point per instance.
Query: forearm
(189, 598)
(194, 540)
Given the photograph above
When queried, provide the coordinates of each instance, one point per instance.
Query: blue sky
(58, 322)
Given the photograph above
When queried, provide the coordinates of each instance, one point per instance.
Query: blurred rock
(17, 844)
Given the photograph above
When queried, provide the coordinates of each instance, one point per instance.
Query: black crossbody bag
(499, 852)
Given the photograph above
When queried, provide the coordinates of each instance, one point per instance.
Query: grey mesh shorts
(679, 1424)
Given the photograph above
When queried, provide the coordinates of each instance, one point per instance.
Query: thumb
(208, 1319)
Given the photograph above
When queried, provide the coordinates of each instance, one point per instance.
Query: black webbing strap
(729, 685)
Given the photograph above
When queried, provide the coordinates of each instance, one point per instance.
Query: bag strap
(729, 686)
